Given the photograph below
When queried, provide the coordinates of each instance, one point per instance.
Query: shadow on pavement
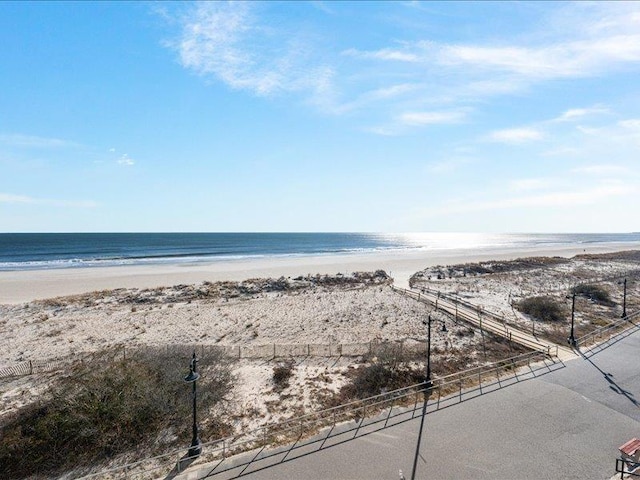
(612, 383)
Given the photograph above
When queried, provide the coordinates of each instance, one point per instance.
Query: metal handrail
(506, 331)
(364, 408)
(587, 338)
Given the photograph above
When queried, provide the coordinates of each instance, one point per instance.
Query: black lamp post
(572, 338)
(427, 391)
(195, 448)
(624, 300)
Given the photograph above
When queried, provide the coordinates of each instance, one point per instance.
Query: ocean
(26, 251)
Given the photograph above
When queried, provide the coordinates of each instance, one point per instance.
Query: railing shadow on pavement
(609, 377)
(391, 409)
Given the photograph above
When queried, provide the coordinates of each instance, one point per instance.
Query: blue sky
(320, 116)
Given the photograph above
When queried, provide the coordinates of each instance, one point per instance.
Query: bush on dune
(105, 408)
(545, 309)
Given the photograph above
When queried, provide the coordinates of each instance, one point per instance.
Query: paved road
(564, 425)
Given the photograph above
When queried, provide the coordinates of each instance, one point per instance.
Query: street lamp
(427, 391)
(195, 447)
(624, 300)
(572, 338)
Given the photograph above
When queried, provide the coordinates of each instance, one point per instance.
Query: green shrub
(595, 293)
(545, 309)
(105, 408)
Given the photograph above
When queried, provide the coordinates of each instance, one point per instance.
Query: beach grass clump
(391, 368)
(543, 308)
(282, 374)
(107, 407)
(595, 293)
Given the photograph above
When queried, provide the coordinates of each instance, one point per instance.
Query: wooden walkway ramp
(488, 322)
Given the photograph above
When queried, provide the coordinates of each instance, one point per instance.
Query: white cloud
(528, 184)
(516, 135)
(555, 60)
(227, 41)
(631, 124)
(600, 170)
(32, 141)
(25, 199)
(126, 160)
(239, 44)
(579, 113)
(561, 151)
(430, 118)
(557, 199)
(449, 165)
(385, 54)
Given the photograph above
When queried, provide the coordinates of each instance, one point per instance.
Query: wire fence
(321, 429)
(250, 351)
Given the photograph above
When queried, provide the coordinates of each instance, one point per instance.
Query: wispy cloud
(431, 118)
(239, 44)
(385, 54)
(516, 135)
(631, 124)
(126, 160)
(449, 165)
(554, 199)
(10, 198)
(602, 170)
(529, 184)
(226, 40)
(575, 114)
(32, 141)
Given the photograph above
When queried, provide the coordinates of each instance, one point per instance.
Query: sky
(320, 116)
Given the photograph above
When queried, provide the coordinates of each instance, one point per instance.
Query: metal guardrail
(627, 467)
(347, 421)
(607, 332)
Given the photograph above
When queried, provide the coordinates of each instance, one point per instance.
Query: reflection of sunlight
(448, 241)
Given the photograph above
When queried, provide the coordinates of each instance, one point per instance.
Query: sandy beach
(24, 286)
(60, 315)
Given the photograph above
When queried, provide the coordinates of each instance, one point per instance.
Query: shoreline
(21, 286)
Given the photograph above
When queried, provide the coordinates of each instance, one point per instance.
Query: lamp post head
(192, 377)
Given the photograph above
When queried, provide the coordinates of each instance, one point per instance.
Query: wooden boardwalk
(488, 322)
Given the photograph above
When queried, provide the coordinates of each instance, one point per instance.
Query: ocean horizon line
(31, 251)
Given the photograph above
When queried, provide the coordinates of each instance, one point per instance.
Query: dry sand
(54, 329)
(25, 286)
